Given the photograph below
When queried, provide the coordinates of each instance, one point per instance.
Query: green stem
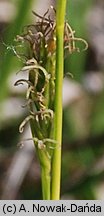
(45, 178)
(45, 164)
(56, 161)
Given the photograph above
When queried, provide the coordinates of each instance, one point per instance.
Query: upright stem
(45, 165)
(45, 173)
(56, 161)
(45, 177)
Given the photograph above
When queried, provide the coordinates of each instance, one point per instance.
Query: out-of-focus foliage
(83, 114)
(23, 9)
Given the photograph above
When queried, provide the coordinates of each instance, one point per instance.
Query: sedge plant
(46, 42)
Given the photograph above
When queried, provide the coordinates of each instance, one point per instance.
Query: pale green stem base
(46, 179)
(45, 165)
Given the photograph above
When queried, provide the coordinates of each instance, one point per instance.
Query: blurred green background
(83, 105)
